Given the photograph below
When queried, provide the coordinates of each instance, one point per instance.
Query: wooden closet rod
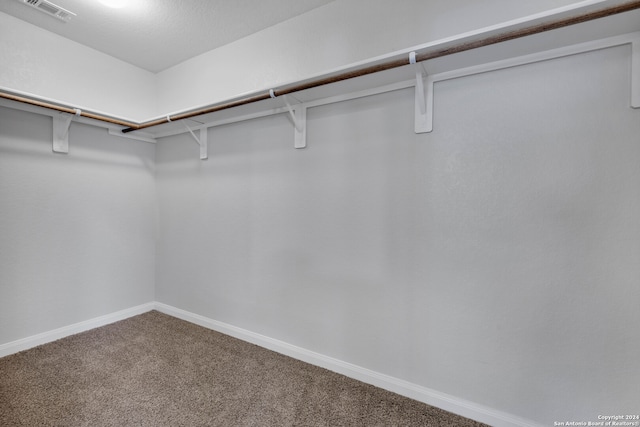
(363, 71)
(420, 56)
(64, 109)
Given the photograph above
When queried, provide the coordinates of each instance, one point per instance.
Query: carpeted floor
(156, 370)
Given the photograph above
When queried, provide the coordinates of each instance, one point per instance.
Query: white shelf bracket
(423, 102)
(61, 124)
(635, 73)
(204, 143)
(202, 140)
(298, 116)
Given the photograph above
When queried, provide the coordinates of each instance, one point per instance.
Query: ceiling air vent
(50, 9)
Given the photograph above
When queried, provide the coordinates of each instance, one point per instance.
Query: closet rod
(420, 56)
(64, 109)
(395, 63)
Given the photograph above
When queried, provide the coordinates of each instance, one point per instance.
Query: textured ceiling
(157, 34)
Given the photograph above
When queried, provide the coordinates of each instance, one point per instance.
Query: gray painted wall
(496, 259)
(77, 231)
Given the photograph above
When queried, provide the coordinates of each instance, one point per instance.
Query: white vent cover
(50, 9)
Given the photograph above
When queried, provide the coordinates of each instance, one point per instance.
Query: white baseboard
(431, 397)
(45, 337)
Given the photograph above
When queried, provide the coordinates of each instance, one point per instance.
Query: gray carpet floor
(156, 370)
